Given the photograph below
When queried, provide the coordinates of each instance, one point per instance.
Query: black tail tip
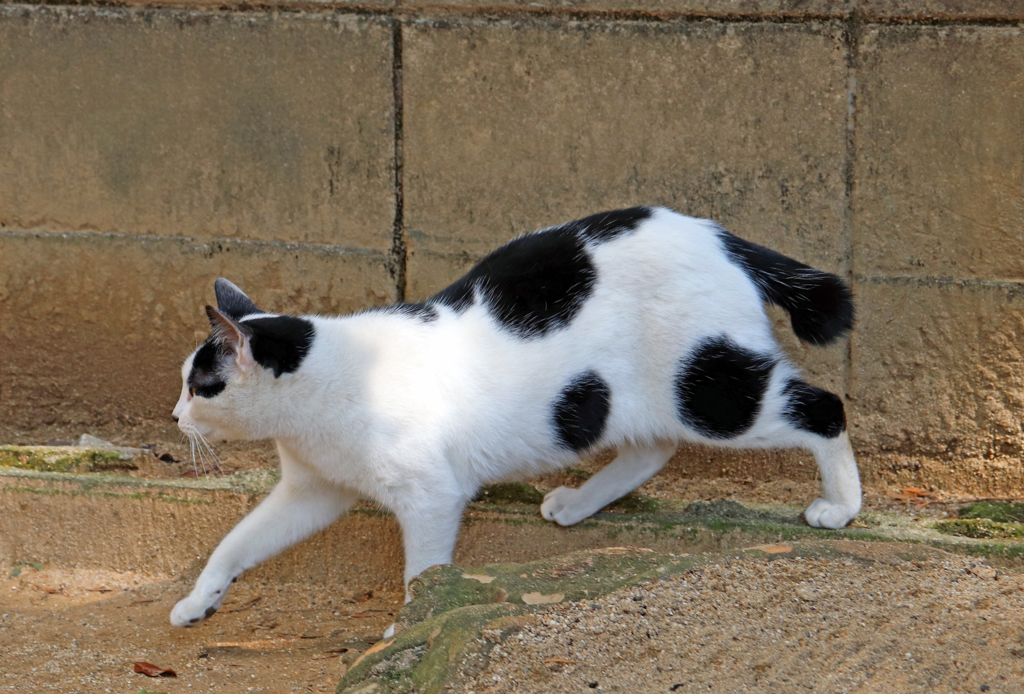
(826, 312)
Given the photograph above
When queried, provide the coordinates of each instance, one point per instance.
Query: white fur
(417, 416)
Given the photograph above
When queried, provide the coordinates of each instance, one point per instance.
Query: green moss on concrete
(64, 459)
(980, 528)
(252, 484)
(999, 511)
(510, 493)
(635, 503)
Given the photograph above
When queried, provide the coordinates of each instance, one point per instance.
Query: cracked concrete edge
(457, 617)
(700, 525)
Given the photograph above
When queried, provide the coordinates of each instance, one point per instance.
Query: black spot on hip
(814, 409)
(531, 285)
(720, 386)
(581, 410)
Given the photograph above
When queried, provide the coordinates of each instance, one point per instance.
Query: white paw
(561, 505)
(195, 608)
(826, 514)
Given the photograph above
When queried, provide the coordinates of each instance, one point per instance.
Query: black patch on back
(458, 296)
(531, 285)
(720, 386)
(205, 379)
(424, 311)
(605, 226)
(814, 409)
(820, 305)
(581, 410)
(280, 343)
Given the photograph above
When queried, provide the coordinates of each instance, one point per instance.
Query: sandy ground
(81, 631)
(951, 624)
(791, 625)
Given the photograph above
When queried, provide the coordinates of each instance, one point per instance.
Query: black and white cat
(634, 329)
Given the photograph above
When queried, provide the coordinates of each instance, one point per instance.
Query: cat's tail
(820, 305)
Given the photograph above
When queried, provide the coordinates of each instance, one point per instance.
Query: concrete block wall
(330, 156)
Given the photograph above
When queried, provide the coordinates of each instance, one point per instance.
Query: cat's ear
(235, 337)
(232, 301)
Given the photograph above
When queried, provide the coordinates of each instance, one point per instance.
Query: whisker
(192, 445)
(202, 459)
(217, 462)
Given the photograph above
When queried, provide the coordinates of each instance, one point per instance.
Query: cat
(635, 329)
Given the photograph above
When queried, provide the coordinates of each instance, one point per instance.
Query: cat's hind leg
(297, 507)
(798, 415)
(819, 419)
(633, 466)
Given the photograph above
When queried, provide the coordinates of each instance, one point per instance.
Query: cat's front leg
(291, 513)
(430, 526)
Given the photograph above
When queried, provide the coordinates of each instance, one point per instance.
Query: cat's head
(231, 385)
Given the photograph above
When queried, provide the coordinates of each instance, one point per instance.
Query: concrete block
(704, 8)
(940, 153)
(185, 123)
(512, 126)
(93, 328)
(948, 10)
(938, 370)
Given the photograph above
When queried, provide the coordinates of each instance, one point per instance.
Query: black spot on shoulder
(581, 410)
(606, 226)
(531, 285)
(814, 409)
(720, 386)
(280, 343)
(205, 379)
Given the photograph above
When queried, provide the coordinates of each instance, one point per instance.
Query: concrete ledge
(124, 523)
(900, 11)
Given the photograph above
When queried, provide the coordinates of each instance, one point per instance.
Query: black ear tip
(211, 312)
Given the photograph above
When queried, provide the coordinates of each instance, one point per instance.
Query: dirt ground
(790, 625)
(728, 628)
(81, 631)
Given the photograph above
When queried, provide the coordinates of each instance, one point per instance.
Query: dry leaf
(379, 646)
(772, 549)
(479, 577)
(151, 670)
(563, 661)
(982, 571)
(247, 605)
(433, 635)
(538, 599)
